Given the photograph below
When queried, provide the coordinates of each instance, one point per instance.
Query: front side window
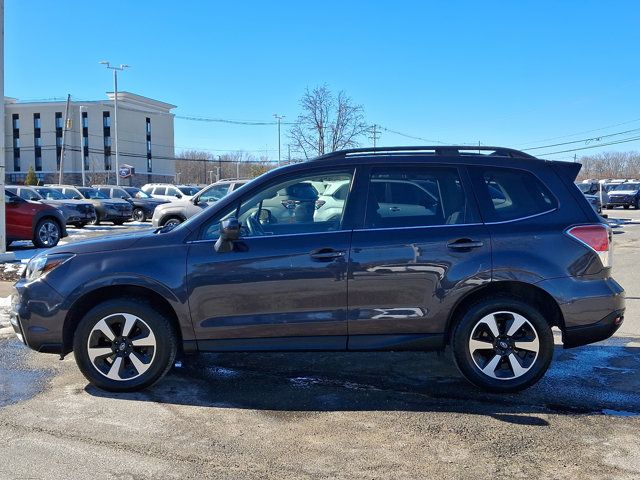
(414, 197)
(160, 191)
(213, 194)
(510, 194)
(287, 207)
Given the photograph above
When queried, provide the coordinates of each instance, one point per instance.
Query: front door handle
(465, 244)
(326, 254)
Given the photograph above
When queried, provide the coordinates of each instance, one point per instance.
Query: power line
(581, 133)
(593, 139)
(626, 140)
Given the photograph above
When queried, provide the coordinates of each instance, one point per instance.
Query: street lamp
(115, 109)
(278, 118)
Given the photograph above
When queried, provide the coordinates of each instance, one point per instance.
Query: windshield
(137, 193)
(627, 186)
(92, 194)
(51, 194)
(189, 190)
(584, 187)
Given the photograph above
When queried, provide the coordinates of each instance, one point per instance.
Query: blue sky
(507, 73)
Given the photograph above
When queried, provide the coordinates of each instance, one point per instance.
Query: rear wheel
(502, 344)
(138, 215)
(124, 345)
(95, 221)
(47, 233)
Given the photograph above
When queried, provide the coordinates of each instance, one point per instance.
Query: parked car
(594, 201)
(597, 189)
(625, 194)
(169, 192)
(31, 220)
(508, 250)
(76, 212)
(113, 210)
(174, 213)
(143, 205)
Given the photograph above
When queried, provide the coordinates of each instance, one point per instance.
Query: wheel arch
(98, 295)
(527, 292)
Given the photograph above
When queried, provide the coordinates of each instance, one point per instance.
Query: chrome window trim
(273, 236)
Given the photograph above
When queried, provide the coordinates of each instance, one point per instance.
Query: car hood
(102, 244)
(177, 205)
(623, 192)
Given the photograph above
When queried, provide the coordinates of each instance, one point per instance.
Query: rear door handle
(326, 254)
(465, 244)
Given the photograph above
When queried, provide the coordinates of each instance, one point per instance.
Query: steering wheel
(253, 224)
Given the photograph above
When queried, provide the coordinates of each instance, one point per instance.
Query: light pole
(115, 109)
(278, 118)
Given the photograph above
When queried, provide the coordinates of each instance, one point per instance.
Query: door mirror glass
(178, 195)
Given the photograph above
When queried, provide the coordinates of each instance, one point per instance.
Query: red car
(43, 224)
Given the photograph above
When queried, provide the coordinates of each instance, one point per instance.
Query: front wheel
(502, 344)
(47, 233)
(95, 221)
(124, 345)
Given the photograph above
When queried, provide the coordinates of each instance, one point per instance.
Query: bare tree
(194, 165)
(327, 123)
(610, 165)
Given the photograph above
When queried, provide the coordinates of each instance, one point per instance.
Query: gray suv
(490, 251)
(176, 212)
(113, 210)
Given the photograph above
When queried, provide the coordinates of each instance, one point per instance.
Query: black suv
(483, 251)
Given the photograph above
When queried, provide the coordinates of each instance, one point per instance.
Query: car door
(19, 216)
(410, 265)
(284, 285)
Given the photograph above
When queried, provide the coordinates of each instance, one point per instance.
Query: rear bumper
(592, 308)
(577, 336)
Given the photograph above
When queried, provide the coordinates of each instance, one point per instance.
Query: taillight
(597, 238)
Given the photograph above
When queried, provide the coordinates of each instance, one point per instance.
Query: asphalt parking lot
(364, 415)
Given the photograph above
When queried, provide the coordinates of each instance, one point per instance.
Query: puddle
(17, 382)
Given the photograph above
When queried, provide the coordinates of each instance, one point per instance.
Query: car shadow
(585, 380)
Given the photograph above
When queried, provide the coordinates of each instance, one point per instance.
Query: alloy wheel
(504, 345)
(49, 233)
(138, 215)
(121, 346)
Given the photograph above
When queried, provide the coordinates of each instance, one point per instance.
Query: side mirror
(229, 233)
(11, 200)
(178, 195)
(77, 197)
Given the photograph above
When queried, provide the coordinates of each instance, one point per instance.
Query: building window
(36, 121)
(16, 159)
(149, 159)
(85, 142)
(16, 121)
(85, 120)
(148, 126)
(38, 159)
(37, 142)
(16, 143)
(107, 141)
(59, 120)
(107, 162)
(106, 119)
(59, 142)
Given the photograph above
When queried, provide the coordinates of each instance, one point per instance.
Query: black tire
(162, 355)
(139, 215)
(626, 207)
(535, 365)
(79, 224)
(95, 221)
(118, 222)
(47, 233)
(172, 220)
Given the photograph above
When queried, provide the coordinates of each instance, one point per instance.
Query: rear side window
(160, 191)
(512, 194)
(415, 196)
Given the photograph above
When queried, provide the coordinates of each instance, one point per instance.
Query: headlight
(40, 265)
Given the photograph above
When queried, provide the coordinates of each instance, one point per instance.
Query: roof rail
(445, 150)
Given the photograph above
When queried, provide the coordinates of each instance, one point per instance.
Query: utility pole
(66, 125)
(80, 127)
(115, 110)
(375, 134)
(278, 118)
(4, 255)
(289, 155)
(575, 157)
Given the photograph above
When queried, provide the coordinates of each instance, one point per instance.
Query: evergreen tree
(31, 178)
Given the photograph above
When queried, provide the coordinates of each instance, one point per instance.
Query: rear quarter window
(509, 194)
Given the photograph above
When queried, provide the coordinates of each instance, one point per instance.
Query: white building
(34, 136)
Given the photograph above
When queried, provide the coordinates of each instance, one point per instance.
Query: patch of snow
(5, 302)
(620, 413)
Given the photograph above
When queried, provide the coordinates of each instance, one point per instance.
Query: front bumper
(37, 317)
(110, 214)
(81, 217)
(621, 201)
